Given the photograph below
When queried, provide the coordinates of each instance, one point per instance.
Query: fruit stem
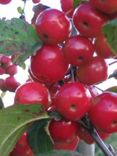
(113, 75)
(112, 63)
(86, 123)
(100, 143)
(73, 73)
(99, 89)
(22, 16)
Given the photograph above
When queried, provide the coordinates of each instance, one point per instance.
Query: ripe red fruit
(77, 49)
(5, 61)
(11, 70)
(72, 145)
(67, 6)
(2, 85)
(62, 131)
(32, 93)
(106, 6)
(2, 71)
(5, 1)
(73, 101)
(102, 47)
(53, 26)
(11, 84)
(84, 135)
(36, 1)
(22, 147)
(92, 71)
(88, 21)
(103, 112)
(49, 64)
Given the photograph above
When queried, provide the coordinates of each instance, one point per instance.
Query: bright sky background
(10, 11)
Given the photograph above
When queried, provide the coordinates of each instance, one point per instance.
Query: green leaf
(13, 122)
(110, 32)
(77, 2)
(60, 153)
(19, 38)
(20, 10)
(38, 138)
(112, 89)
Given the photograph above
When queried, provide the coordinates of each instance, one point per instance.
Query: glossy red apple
(32, 93)
(77, 49)
(106, 6)
(73, 101)
(88, 21)
(93, 71)
(53, 26)
(102, 47)
(103, 112)
(48, 65)
(62, 131)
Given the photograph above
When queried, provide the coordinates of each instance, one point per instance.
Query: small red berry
(11, 84)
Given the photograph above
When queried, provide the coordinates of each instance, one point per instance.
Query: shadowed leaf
(13, 122)
(19, 38)
(110, 32)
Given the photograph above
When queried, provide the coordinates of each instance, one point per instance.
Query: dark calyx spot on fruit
(73, 107)
(45, 36)
(85, 24)
(80, 58)
(114, 123)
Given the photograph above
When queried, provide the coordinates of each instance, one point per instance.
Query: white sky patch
(9, 11)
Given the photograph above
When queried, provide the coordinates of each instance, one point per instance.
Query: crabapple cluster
(9, 68)
(66, 68)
